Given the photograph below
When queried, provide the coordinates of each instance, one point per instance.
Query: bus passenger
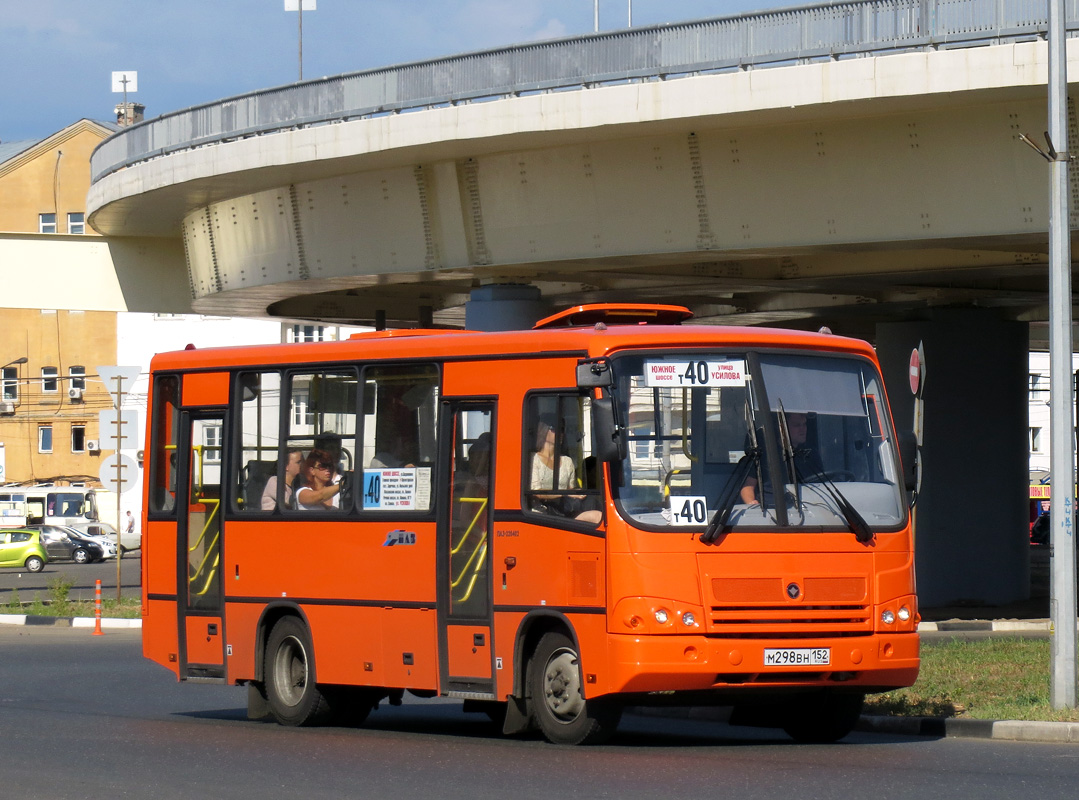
(321, 489)
(292, 469)
(543, 477)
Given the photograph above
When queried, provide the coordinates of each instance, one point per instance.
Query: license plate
(797, 656)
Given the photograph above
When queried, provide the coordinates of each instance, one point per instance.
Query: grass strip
(992, 678)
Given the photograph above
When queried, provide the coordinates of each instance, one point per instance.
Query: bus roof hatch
(616, 314)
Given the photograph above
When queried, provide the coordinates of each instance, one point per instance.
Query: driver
(807, 462)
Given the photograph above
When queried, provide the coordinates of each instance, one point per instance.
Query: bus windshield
(716, 432)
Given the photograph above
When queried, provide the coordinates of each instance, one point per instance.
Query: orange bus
(550, 524)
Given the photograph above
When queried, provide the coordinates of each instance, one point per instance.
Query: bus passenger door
(200, 606)
(464, 553)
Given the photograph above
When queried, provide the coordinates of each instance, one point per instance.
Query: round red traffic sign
(915, 375)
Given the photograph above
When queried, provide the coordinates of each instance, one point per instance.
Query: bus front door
(464, 584)
(200, 541)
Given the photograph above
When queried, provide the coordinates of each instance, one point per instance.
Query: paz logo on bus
(399, 537)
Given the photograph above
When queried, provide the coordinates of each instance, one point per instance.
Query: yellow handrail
(206, 526)
(482, 552)
(483, 505)
(481, 545)
(212, 550)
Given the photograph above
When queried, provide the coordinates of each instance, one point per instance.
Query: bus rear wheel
(558, 703)
(289, 671)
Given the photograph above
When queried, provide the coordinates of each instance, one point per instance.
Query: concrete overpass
(853, 164)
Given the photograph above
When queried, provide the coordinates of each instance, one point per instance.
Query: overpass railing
(832, 30)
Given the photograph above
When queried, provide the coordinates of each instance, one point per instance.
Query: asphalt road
(85, 716)
(27, 584)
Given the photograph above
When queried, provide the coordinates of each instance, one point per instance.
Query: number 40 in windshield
(689, 510)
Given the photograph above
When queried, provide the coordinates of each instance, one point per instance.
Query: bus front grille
(790, 621)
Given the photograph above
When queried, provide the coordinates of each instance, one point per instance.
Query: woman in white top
(321, 489)
(543, 477)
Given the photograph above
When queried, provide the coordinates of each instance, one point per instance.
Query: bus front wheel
(558, 703)
(289, 671)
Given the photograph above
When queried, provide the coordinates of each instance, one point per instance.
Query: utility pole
(300, 6)
(1061, 400)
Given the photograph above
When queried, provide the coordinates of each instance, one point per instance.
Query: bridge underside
(889, 198)
(843, 214)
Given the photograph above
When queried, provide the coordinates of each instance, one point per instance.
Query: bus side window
(322, 411)
(561, 477)
(259, 432)
(165, 434)
(399, 428)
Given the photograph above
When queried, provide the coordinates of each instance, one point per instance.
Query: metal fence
(833, 30)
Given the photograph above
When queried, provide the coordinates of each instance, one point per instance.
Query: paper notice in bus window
(725, 372)
(396, 489)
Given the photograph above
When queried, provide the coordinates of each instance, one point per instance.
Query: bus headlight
(689, 620)
(904, 613)
(662, 616)
(887, 616)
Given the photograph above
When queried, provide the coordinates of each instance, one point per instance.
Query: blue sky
(62, 52)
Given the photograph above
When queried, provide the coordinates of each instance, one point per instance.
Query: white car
(107, 544)
(129, 541)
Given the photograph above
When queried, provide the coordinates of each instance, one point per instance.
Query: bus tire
(822, 718)
(293, 696)
(558, 703)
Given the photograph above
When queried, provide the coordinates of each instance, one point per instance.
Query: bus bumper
(664, 664)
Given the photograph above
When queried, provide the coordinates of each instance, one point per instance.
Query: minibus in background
(47, 504)
(612, 509)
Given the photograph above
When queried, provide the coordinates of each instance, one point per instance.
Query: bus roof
(593, 341)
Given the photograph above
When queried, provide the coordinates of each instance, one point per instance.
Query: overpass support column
(971, 537)
(504, 307)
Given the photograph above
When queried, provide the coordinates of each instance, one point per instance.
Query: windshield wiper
(729, 495)
(787, 447)
(732, 488)
(855, 521)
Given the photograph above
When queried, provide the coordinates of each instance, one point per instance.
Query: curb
(937, 727)
(954, 728)
(997, 625)
(68, 622)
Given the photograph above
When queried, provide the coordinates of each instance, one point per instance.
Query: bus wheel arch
(549, 685)
(556, 686)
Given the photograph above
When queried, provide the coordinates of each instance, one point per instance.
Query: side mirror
(594, 374)
(611, 442)
(908, 457)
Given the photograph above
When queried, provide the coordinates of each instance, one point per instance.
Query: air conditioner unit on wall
(7, 408)
(92, 445)
(74, 394)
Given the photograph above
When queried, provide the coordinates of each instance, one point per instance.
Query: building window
(301, 415)
(11, 383)
(1035, 440)
(78, 377)
(44, 438)
(49, 379)
(46, 223)
(76, 222)
(309, 333)
(211, 445)
(78, 438)
(1038, 385)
